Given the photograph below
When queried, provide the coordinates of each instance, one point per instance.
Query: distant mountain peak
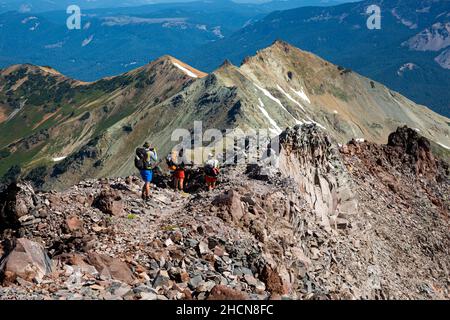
(21, 72)
(279, 43)
(28, 67)
(184, 67)
(226, 63)
(170, 63)
(226, 67)
(187, 69)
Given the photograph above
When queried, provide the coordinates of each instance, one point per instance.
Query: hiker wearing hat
(211, 171)
(145, 161)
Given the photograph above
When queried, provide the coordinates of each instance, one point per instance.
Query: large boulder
(16, 201)
(111, 268)
(276, 282)
(110, 202)
(410, 142)
(28, 260)
(77, 261)
(231, 205)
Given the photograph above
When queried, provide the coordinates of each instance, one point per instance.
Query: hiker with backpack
(211, 172)
(146, 161)
(176, 165)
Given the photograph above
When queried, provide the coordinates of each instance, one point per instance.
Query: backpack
(170, 164)
(140, 161)
(211, 171)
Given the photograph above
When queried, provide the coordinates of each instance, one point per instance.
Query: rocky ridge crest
(355, 221)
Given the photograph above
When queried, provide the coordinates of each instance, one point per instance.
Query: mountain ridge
(280, 86)
(355, 221)
(340, 35)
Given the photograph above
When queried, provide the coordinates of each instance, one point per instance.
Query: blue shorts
(147, 175)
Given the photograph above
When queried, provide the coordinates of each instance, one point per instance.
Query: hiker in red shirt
(176, 164)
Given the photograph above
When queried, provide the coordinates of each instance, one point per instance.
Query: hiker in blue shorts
(146, 160)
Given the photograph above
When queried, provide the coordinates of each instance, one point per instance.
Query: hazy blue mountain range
(42, 5)
(116, 40)
(410, 53)
(34, 6)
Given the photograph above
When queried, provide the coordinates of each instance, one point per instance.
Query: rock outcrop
(415, 149)
(111, 268)
(312, 160)
(109, 202)
(17, 204)
(28, 261)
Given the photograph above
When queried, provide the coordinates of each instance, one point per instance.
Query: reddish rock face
(231, 202)
(109, 202)
(79, 260)
(220, 292)
(274, 281)
(410, 142)
(111, 267)
(184, 277)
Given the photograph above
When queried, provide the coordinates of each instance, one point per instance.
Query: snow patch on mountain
(36, 25)
(302, 95)
(271, 97)
(26, 20)
(276, 129)
(423, 10)
(57, 159)
(185, 70)
(311, 121)
(289, 97)
(218, 32)
(175, 25)
(201, 27)
(443, 146)
(54, 45)
(126, 65)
